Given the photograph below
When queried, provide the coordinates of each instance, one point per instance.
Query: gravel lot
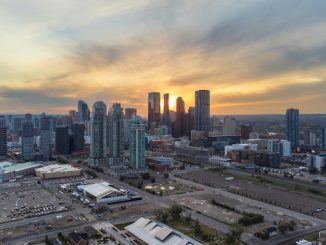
(262, 192)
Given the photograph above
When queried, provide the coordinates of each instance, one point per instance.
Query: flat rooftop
(55, 168)
(11, 167)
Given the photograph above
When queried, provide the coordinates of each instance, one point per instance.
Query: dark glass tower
(166, 119)
(62, 141)
(292, 127)
(83, 111)
(202, 115)
(180, 125)
(154, 109)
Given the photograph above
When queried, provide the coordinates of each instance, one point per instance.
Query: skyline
(255, 57)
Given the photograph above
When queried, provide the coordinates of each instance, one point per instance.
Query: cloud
(245, 53)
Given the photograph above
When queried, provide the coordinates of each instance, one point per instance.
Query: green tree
(175, 212)
(197, 229)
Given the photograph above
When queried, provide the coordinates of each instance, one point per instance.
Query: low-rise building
(58, 171)
(149, 232)
(160, 163)
(104, 192)
(193, 155)
(10, 170)
(268, 159)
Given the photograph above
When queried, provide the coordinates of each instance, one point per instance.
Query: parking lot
(262, 192)
(27, 203)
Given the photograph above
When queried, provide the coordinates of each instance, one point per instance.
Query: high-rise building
(292, 127)
(17, 125)
(230, 126)
(28, 140)
(154, 109)
(180, 124)
(78, 131)
(3, 138)
(166, 119)
(116, 141)
(46, 138)
(62, 140)
(309, 138)
(190, 120)
(28, 117)
(245, 130)
(73, 116)
(129, 112)
(137, 143)
(323, 138)
(98, 151)
(83, 111)
(202, 105)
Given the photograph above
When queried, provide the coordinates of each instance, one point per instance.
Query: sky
(255, 56)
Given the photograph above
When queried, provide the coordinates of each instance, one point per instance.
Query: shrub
(248, 219)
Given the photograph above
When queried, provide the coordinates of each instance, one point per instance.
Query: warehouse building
(104, 192)
(10, 170)
(58, 171)
(146, 231)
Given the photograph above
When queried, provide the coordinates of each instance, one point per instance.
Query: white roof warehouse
(57, 171)
(105, 193)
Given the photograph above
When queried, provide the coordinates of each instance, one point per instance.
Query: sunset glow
(252, 58)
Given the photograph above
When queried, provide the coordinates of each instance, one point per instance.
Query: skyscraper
(28, 141)
(323, 138)
(230, 126)
(98, 151)
(179, 124)
(78, 131)
(245, 130)
(202, 105)
(3, 138)
(190, 120)
(137, 143)
(46, 138)
(166, 119)
(292, 127)
(62, 141)
(116, 141)
(82, 111)
(154, 109)
(129, 112)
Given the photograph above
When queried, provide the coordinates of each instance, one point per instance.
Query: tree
(175, 212)
(282, 228)
(197, 230)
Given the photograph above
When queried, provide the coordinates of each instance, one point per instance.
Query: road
(166, 201)
(318, 224)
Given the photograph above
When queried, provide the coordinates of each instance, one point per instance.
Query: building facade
(28, 141)
(3, 138)
(78, 137)
(62, 141)
(116, 140)
(202, 105)
(83, 111)
(292, 127)
(98, 149)
(137, 143)
(166, 119)
(180, 124)
(154, 109)
(46, 138)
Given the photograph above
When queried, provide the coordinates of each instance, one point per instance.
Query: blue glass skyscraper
(292, 127)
